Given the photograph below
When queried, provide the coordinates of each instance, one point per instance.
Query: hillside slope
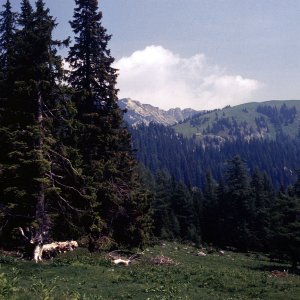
(265, 135)
(263, 120)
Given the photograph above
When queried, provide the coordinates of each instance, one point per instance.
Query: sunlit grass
(80, 275)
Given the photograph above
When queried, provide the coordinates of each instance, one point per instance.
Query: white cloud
(159, 77)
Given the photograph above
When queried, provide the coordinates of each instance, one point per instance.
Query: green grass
(80, 275)
(238, 113)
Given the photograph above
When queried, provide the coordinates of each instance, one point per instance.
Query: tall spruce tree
(197, 212)
(27, 135)
(182, 206)
(263, 197)
(285, 228)
(7, 31)
(238, 204)
(166, 224)
(210, 209)
(103, 140)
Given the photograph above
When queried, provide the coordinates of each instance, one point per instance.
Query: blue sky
(200, 53)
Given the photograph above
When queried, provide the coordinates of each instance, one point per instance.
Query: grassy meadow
(80, 275)
(241, 114)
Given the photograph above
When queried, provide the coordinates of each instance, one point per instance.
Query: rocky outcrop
(138, 113)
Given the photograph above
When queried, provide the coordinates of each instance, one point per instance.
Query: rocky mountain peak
(138, 113)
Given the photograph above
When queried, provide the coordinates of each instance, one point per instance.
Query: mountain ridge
(253, 120)
(138, 113)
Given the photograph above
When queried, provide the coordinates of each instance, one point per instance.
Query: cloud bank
(159, 77)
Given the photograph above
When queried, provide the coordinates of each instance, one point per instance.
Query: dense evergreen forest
(188, 160)
(239, 211)
(68, 168)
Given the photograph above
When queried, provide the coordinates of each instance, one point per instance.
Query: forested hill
(265, 135)
(266, 120)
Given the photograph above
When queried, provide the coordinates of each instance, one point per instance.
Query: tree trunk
(40, 205)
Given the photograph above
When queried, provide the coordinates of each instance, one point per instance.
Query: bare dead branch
(22, 233)
(68, 204)
(51, 175)
(2, 227)
(121, 187)
(70, 188)
(65, 159)
(51, 110)
(62, 198)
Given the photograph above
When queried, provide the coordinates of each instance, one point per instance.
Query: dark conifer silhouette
(103, 140)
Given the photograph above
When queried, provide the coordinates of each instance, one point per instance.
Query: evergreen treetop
(103, 140)
(92, 75)
(7, 31)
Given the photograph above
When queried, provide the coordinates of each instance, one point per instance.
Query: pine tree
(7, 31)
(285, 228)
(182, 206)
(263, 197)
(103, 140)
(166, 224)
(198, 212)
(239, 204)
(210, 209)
(28, 157)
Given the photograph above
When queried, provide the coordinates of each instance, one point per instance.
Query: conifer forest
(72, 169)
(66, 156)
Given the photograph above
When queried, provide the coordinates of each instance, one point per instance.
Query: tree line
(240, 211)
(67, 168)
(159, 147)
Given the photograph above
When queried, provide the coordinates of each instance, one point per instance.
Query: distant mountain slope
(265, 135)
(257, 120)
(138, 113)
(161, 148)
